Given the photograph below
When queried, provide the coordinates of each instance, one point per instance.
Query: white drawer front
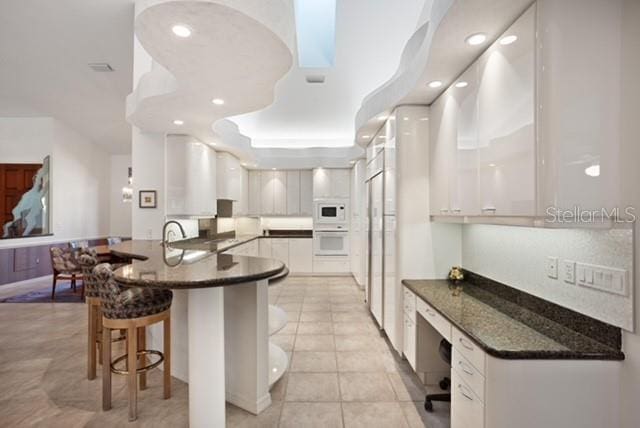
(438, 322)
(467, 411)
(469, 350)
(410, 303)
(468, 373)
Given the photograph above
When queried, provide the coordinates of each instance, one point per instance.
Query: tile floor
(342, 371)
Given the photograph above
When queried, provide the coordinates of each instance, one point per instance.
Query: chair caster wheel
(428, 406)
(444, 384)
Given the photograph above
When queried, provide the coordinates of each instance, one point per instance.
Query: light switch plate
(569, 271)
(552, 267)
(603, 278)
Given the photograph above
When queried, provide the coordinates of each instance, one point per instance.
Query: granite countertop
(483, 316)
(196, 267)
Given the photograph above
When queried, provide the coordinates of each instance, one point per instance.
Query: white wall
(79, 176)
(119, 211)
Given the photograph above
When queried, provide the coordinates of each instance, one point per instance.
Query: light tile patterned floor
(342, 373)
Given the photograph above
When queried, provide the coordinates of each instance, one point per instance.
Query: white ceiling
(45, 47)
(370, 36)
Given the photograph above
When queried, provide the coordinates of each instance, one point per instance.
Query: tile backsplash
(517, 256)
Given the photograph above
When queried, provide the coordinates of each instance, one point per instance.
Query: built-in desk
(513, 366)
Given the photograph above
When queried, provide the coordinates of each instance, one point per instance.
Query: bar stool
(132, 309)
(88, 259)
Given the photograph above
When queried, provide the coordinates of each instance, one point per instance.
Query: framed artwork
(147, 199)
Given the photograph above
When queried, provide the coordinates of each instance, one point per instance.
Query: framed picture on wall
(147, 199)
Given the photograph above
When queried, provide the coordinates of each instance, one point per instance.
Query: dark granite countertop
(169, 267)
(505, 330)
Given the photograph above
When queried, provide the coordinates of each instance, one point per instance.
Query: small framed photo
(147, 199)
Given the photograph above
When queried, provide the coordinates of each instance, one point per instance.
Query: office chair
(445, 352)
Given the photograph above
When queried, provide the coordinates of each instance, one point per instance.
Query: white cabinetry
(229, 177)
(280, 249)
(265, 248)
(331, 183)
(293, 192)
(482, 134)
(306, 192)
(191, 177)
(254, 192)
(243, 203)
(266, 192)
(301, 255)
(280, 193)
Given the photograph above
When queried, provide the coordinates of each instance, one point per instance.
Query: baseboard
(250, 406)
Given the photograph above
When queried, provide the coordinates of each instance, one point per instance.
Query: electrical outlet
(552, 267)
(569, 271)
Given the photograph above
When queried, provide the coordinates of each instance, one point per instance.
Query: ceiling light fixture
(476, 39)
(593, 170)
(217, 101)
(381, 118)
(435, 84)
(178, 122)
(181, 30)
(405, 118)
(273, 169)
(461, 84)
(507, 40)
(366, 136)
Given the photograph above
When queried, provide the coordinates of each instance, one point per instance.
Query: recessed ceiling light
(217, 101)
(507, 40)
(424, 118)
(476, 39)
(405, 118)
(381, 118)
(352, 162)
(461, 84)
(435, 84)
(181, 30)
(492, 165)
(382, 136)
(273, 169)
(178, 122)
(366, 136)
(593, 170)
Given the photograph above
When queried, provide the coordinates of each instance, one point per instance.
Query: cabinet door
(389, 178)
(266, 192)
(255, 187)
(293, 192)
(506, 139)
(442, 139)
(243, 203)
(280, 250)
(410, 341)
(321, 183)
(264, 247)
(306, 193)
(339, 182)
(463, 175)
(301, 255)
(280, 192)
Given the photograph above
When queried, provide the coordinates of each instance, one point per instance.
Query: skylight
(316, 33)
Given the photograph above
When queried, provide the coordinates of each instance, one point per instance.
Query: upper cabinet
(229, 177)
(540, 127)
(278, 193)
(191, 177)
(331, 183)
(482, 133)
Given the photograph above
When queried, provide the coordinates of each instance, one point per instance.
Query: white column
(246, 309)
(206, 358)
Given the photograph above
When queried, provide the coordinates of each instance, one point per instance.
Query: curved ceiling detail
(436, 51)
(237, 52)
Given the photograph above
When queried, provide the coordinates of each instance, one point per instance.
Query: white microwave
(330, 212)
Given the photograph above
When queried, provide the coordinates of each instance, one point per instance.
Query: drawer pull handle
(464, 343)
(467, 396)
(465, 369)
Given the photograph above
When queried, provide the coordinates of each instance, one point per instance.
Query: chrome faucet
(165, 238)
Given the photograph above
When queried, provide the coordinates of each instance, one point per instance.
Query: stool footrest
(140, 353)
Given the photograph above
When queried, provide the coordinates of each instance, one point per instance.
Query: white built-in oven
(334, 242)
(330, 212)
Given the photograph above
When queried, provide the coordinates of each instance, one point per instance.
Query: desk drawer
(467, 411)
(438, 322)
(468, 373)
(410, 303)
(472, 352)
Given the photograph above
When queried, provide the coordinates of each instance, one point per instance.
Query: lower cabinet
(301, 255)
(467, 411)
(410, 340)
(280, 250)
(265, 248)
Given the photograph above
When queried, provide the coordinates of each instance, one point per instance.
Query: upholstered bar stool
(88, 259)
(132, 309)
